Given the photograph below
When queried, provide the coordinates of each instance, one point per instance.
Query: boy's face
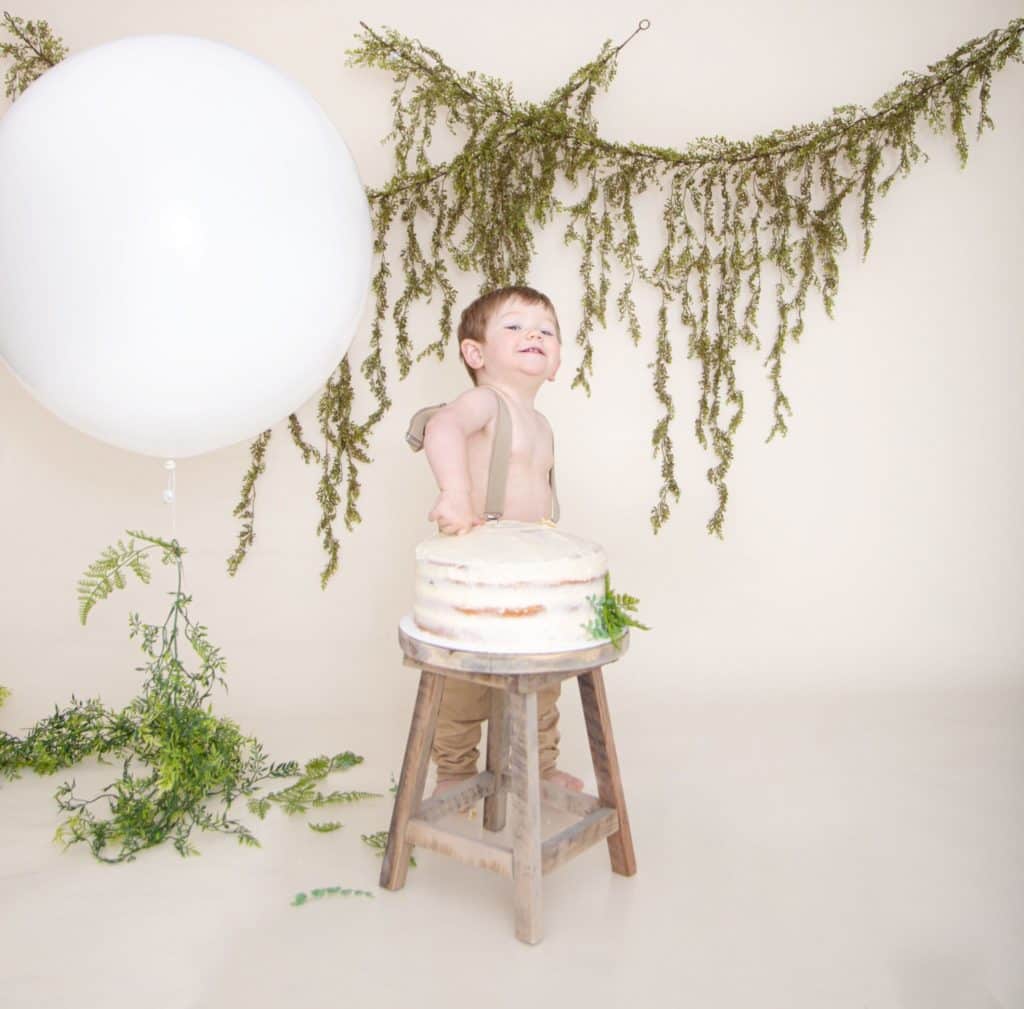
(520, 339)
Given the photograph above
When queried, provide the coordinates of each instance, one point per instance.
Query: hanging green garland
(728, 208)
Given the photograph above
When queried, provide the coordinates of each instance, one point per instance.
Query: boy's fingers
(457, 528)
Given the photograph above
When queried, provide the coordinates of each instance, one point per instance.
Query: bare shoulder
(546, 424)
(471, 411)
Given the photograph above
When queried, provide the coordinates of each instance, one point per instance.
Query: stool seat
(511, 785)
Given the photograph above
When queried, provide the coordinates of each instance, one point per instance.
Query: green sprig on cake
(612, 614)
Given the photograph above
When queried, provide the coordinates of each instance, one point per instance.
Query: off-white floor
(795, 851)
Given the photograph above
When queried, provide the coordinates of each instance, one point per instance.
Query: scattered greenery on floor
(612, 614)
(302, 795)
(325, 828)
(182, 767)
(379, 842)
(328, 891)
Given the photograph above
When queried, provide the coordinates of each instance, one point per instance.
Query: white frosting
(509, 586)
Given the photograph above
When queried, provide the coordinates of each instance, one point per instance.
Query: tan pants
(464, 706)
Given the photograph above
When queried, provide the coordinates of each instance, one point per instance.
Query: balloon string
(170, 497)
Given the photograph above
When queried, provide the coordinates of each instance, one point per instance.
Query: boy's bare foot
(446, 786)
(565, 779)
(442, 787)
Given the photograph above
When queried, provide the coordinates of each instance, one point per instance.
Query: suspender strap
(497, 474)
(554, 491)
(418, 425)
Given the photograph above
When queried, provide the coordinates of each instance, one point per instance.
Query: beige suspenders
(497, 474)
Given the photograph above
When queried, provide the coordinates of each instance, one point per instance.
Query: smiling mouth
(532, 350)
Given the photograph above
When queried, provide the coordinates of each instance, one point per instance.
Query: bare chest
(530, 455)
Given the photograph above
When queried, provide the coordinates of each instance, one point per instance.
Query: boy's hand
(453, 512)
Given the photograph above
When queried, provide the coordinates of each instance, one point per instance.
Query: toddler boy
(510, 345)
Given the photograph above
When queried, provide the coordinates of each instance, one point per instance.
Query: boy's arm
(446, 433)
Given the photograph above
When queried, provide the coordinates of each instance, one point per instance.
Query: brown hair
(477, 314)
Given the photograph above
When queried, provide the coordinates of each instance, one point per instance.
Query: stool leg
(606, 768)
(413, 779)
(524, 772)
(496, 803)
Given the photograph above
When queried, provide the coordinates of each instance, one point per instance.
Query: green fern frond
(338, 797)
(34, 50)
(173, 551)
(612, 614)
(343, 761)
(260, 807)
(287, 769)
(379, 842)
(107, 573)
(328, 891)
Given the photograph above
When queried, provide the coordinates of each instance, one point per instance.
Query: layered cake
(508, 586)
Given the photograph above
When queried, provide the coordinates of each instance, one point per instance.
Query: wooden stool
(513, 772)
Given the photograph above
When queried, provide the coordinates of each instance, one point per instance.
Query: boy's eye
(516, 325)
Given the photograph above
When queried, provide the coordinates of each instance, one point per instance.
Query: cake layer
(508, 584)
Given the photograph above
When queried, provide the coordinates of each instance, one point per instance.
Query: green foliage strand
(182, 767)
(328, 891)
(33, 49)
(379, 842)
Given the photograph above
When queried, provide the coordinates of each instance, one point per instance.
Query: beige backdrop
(878, 543)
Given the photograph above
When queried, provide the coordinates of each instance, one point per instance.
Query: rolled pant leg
(547, 728)
(464, 706)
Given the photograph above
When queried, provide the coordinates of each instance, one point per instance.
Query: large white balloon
(184, 244)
